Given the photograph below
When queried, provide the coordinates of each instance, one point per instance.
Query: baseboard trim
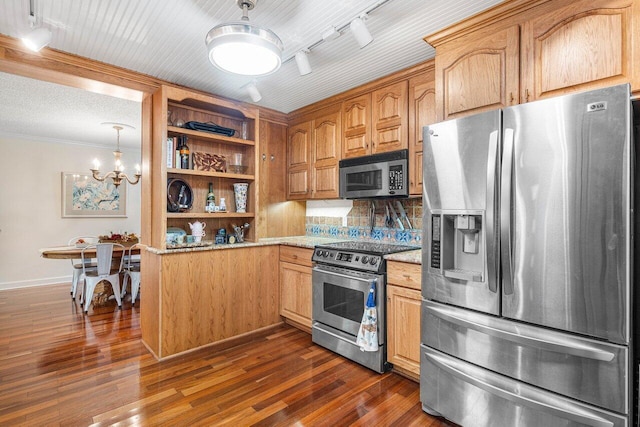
(35, 282)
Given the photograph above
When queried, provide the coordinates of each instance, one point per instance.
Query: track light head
(37, 39)
(253, 91)
(360, 31)
(302, 60)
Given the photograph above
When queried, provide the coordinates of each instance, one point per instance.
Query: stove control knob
(318, 253)
(365, 259)
(374, 261)
(325, 254)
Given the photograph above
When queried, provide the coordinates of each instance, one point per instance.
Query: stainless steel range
(342, 276)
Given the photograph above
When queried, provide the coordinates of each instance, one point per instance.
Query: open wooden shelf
(211, 174)
(210, 215)
(210, 136)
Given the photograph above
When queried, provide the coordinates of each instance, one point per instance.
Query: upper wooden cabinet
(583, 45)
(422, 112)
(299, 161)
(377, 121)
(357, 126)
(277, 218)
(475, 74)
(327, 144)
(521, 51)
(314, 147)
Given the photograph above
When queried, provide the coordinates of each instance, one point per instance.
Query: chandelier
(117, 174)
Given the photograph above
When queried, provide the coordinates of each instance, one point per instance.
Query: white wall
(31, 207)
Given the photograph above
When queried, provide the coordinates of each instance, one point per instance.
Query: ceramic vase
(240, 193)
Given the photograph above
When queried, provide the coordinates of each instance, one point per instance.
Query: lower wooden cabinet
(295, 285)
(403, 317)
(200, 298)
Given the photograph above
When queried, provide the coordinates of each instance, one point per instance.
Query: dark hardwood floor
(59, 367)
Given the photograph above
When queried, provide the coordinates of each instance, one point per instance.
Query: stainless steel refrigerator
(527, 264)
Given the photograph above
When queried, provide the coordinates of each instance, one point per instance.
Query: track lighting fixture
(38, 37)
(243, 48)
(356, 25)
(360, 31)
(253, 91)
(302, 60)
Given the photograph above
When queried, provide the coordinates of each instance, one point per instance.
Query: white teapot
(197, 229)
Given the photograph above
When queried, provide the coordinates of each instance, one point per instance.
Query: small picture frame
(83, 196)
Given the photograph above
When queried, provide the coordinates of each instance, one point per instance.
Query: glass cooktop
(378, 248)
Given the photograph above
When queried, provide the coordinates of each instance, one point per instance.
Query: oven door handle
(345, 276)
(335, 335)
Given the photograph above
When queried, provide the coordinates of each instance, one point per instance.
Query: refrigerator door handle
(548, 343)
(533, 399)
(505, 212)
(490, 219)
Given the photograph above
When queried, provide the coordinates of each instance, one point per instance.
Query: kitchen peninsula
(202, 296)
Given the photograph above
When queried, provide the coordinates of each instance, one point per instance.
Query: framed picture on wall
(83, 196)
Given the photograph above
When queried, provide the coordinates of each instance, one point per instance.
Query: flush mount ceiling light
(243, 48)
(38, 37)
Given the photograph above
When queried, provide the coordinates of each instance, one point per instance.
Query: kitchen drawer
(296, 255)
(472, 396)
(407, 275)
(589, 370)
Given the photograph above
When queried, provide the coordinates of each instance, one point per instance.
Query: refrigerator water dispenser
(456, 246)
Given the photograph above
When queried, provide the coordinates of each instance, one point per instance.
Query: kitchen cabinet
(403, 317)
(188, 106)
(377, 121)
(523, 51)
(314, 147)
(422, 112)
(295, 285)
(477, 73)
(199, 298)
(578, 46)
(327, 144)
(277, 216)
(299, 161)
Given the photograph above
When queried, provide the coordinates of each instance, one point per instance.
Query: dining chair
(131, 274)
(106, 270)
(78, 264)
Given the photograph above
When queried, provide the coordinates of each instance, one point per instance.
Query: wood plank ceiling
(165, 39)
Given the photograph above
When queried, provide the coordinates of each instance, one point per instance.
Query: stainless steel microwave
(377, 175)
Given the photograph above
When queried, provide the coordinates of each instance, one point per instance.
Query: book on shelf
(171, 152)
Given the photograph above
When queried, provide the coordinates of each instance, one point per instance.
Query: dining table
(75, 252)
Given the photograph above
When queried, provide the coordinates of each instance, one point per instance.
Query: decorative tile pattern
(354, 233)
(358, 224)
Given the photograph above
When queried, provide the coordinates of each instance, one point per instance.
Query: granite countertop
(299, 241)
(414, 257)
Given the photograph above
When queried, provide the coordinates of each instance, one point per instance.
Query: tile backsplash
(359, 227)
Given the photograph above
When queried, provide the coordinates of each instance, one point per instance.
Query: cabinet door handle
(510, 97)
(526, 95)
